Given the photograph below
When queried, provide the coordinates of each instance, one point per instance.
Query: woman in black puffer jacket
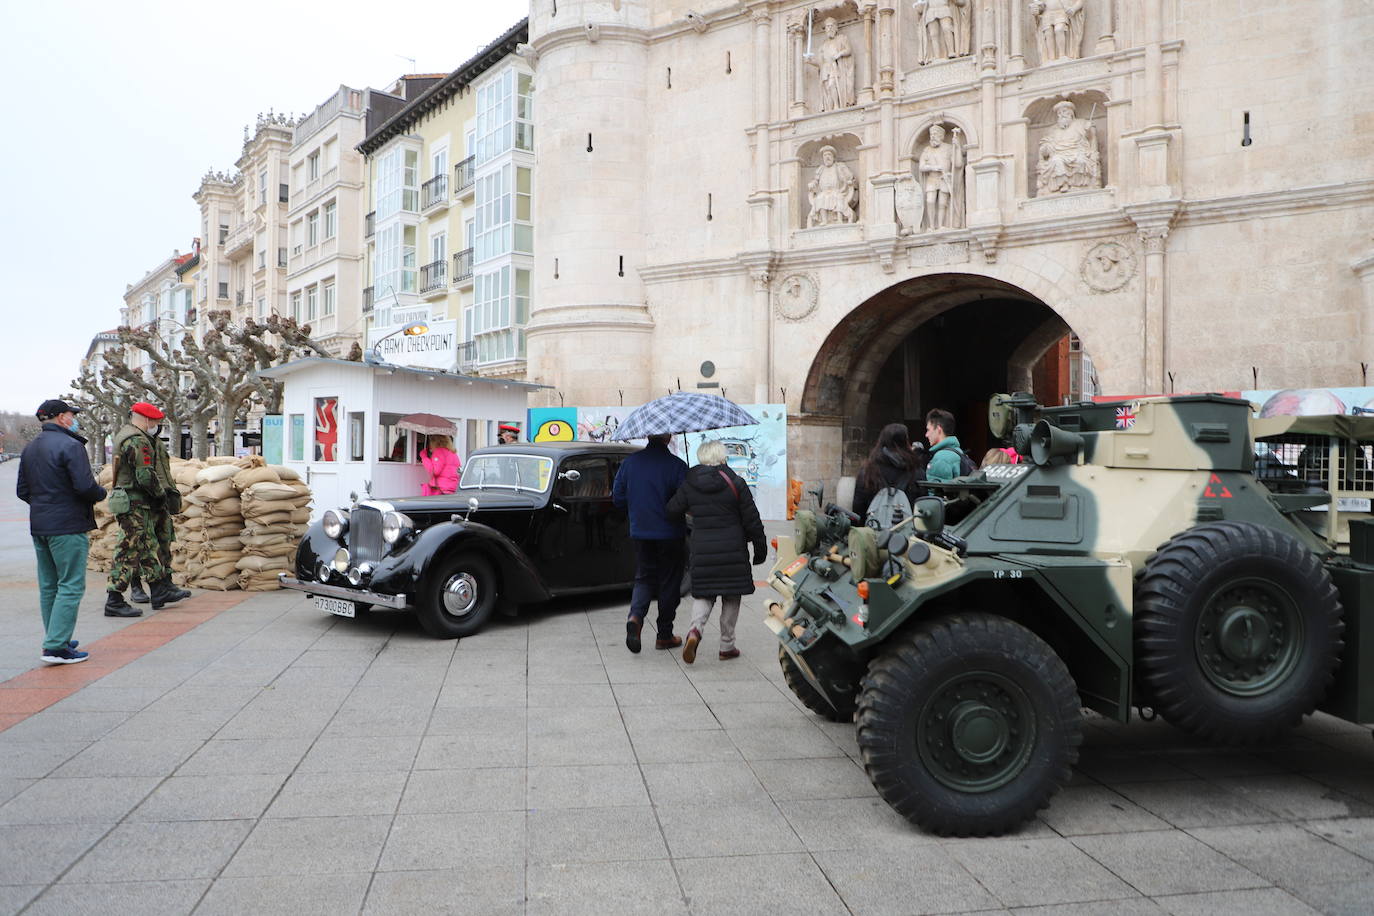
(892, 463)
(725, 522)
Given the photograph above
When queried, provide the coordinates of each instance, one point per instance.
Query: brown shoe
(689, 651)
(728, 654)
(672, 642)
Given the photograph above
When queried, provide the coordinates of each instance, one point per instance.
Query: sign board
(435, 349)
(272, 438)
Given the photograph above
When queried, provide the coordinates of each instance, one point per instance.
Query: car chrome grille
(365, 535)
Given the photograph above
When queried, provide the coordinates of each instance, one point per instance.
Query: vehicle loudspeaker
(1050, 442)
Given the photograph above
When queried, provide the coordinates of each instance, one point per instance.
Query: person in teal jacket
(945, 451)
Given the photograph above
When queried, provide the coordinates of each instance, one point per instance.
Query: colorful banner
(756, 453)
(271, 438)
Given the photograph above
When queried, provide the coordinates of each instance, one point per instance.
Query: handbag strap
(730, 483)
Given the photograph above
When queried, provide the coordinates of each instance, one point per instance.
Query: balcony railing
(434, 192)
(433, 275)
(462, 266)
(367, 299)
(369, 224)
(462, 174)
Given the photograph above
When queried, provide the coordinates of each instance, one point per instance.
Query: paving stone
(769, 713)
(497, 890)
(246, 756)
(562, 835)
(1286, 854)
(1263, 901)
(296, 895)
(852, 823)
(464, 696)
(1119, 766)
(684, 719)
(454, 752)
(784, 743)
(819, 778)
(1130, 906)
(38, 853)
(145, 898)
(1294, 797)
(1194, 803)
(424, 841)
(370, 722)
(1355, 834)
(1079, 810)
(1338, 898)
(884, 881)
(94, 800)
(634, 694)
(361, 755)
(10, 787)
(445, 791)
(205, 798)
(474, 720)
(75, 726)
(603, 786)
(111, 757)
(603, 889)
(160, 851)
(35, 759)
(719, 783)
(666, 746)
(582, 748)
(13, 897)
(575, 695)
(1167, 862)
(1037, 872)
(310, 846)
(725, 830)
(99, 698)
(152, 724)
(308, 794)
(747, 885)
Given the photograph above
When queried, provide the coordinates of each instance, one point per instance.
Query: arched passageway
(949, 341)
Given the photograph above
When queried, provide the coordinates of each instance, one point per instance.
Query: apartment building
(161, 298)
(449, 237)
(325, 264)
(243, 222)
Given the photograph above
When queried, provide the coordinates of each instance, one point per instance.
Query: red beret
(506, 428)
(144, 409)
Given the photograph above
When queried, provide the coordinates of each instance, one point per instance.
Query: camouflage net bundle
(276, 511)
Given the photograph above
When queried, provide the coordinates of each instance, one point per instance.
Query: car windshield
(519, 472)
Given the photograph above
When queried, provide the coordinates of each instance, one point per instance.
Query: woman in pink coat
(442, 464)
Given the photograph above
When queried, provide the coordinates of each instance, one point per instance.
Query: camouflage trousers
(143, 547)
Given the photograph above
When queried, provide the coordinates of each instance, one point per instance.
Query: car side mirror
(571, 474)
(929, 513)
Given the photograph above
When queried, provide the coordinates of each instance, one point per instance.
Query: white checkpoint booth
(339, 423)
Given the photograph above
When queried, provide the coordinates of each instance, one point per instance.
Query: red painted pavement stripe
(33, 691)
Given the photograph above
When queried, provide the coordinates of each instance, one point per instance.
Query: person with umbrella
(438, 456)
(645, 483)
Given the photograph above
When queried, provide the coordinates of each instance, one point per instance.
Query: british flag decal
(1125, 417)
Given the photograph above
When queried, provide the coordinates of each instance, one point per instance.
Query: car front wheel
(459, 597)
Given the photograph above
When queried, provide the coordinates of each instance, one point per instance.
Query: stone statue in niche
(940, 170)
(945, 29)
(836, 66)
(831, 192)
(909, 202)
(1068, 156)
(1058, 29)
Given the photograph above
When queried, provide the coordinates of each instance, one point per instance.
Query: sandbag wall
(276, 511)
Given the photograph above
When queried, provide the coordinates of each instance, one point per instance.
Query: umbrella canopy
(682, 412)
(427, 423)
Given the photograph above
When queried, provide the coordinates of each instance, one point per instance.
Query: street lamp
(414, 329)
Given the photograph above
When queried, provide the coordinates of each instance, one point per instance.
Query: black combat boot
(136, 593)
(164, 592)
(116, 606)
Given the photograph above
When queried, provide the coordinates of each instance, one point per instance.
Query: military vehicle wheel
(458, 598)
(1237, 631)
(810, 697)
(969, 725)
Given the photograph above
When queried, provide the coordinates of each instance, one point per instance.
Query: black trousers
(658, 576)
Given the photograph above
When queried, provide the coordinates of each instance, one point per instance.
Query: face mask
(76, 425)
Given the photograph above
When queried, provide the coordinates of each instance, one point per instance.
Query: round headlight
(322, 571)
(355, 577)
(395, 525)
(335, 523)
(341, 559)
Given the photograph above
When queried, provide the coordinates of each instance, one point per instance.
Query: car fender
(520, 579)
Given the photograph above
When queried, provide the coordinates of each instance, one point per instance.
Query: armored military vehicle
(1174, 554)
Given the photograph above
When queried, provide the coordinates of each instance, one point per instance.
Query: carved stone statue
(945, 29)
(836, 65)
(940, 169)
(1058, 28)
(831, 192)
(1069, 159)
(909, 201)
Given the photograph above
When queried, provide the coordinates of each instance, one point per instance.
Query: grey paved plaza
(277, 759)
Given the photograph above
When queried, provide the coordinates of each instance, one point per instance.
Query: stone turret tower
(590, 331)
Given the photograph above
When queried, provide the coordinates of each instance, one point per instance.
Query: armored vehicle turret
(1166, 553)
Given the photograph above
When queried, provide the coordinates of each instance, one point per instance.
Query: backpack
(890, 506)
(966, 464)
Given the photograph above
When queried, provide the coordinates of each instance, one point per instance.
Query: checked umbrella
(682, 412)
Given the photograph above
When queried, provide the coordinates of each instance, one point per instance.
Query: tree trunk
(200, 437)
(224, 439)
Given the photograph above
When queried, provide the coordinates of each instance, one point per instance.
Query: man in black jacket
(55, 480)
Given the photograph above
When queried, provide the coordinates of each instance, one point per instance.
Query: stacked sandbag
(101, 553)
(186, 521)
(276, 511)
(211, 523)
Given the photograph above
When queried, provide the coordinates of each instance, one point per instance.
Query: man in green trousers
(55, 480)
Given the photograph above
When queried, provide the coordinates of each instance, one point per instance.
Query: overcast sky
(116, 110)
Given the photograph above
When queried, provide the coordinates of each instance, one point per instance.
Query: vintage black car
(528, 523)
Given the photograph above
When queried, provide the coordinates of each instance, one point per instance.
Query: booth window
(298, 437)
(391, 442)
(356, 424)
(326, 429)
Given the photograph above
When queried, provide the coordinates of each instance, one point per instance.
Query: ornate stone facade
(1087, 175)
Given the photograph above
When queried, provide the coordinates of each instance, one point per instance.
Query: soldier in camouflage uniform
(143, 501)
